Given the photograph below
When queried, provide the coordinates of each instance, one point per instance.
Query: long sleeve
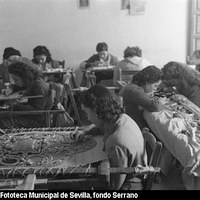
(148, 103)
(34, 103)
(117, 158)
(138, 97)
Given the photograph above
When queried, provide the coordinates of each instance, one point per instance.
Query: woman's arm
(89, 130)
(140, 98)
(148, 103)
(33, 103)
(117, 158)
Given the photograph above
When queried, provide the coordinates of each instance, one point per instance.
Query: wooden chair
(125, 76)
(156, 148)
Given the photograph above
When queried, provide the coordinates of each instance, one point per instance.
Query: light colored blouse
(124, 145)
(135, 63)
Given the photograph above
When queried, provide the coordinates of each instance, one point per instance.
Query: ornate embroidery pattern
(38, 149)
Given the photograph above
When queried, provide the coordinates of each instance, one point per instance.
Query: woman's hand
(78, 135)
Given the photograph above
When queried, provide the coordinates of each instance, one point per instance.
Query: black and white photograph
(98, 97)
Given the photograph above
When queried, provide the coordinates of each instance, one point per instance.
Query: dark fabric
(88, 79)
(43, 103)
(135, 101)
(4, 74)
(39, 88)
(104, 75)
(54, 64)
(111, 60)
(92, 59)
(11, 122)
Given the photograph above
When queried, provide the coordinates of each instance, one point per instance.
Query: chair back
(126, 76)
(154, 156)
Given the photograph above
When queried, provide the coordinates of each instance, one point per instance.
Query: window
(194, 27)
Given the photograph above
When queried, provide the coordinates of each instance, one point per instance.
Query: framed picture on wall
(137, 7)
(125, 4)
(83, 3)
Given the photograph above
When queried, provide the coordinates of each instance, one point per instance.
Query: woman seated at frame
(11, 55)
(42, 58)
(26, 80)
(185, 80)
(123, 140)
(138, 95)
(133, 60)
(102, 59)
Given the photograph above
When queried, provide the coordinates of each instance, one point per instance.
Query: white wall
(71, 33)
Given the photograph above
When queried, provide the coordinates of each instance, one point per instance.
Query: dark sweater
(135, 101)
(40, 87)
(102, 75)
(111, 60)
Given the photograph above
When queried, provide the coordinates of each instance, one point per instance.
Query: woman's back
(133, 95)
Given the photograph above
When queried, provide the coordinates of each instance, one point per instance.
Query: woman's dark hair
(42, 50)
(28, 74)
(184, 74)
(107, 106)
(150, 74)
(102, 46)
(171, 70)
(10, 51)
(132, 51)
